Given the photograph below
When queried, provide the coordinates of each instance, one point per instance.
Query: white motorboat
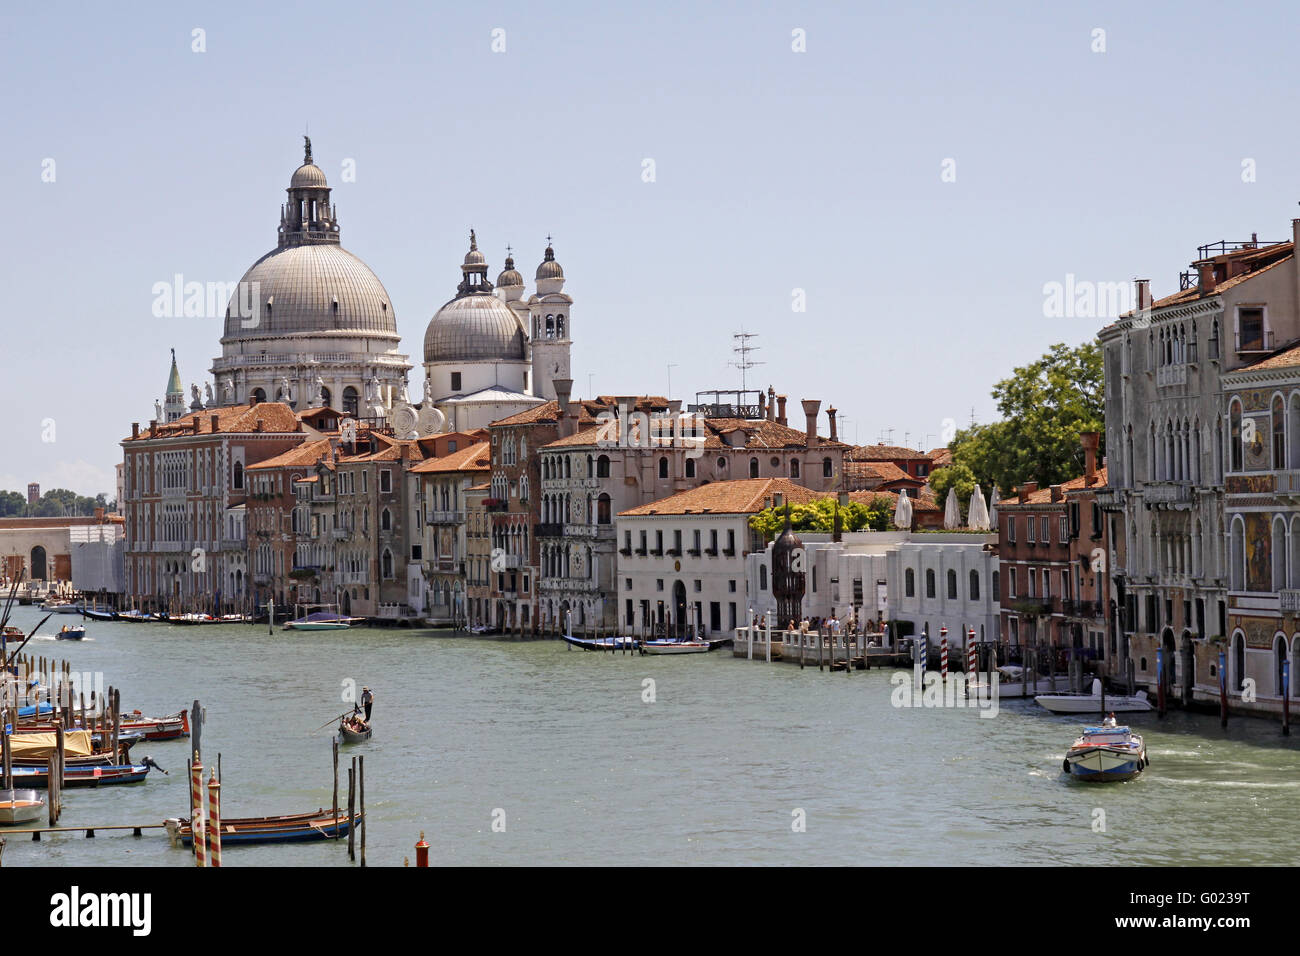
(1106, 753)
(676, 647)
(20, 806)
(1012, 683)
(1095, 703)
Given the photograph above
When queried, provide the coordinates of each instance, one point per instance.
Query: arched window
(1279, 433)
(568, 467)
(794, 467)
(1214, 339)
(974, 585)
(722, 463)
(602, 466)
(1237, 555)
(602, 509)
(690, 467)
(259, 396)
(1280, 552)
(663, 467)
(559, 326)
(952, 585)
(325, 397)
(550, 326)
(385, 520)
(386, 564)
(350, 401)
(753, 467)
(1234, 434)
(239, 475)
(929, 582)
(909, 583)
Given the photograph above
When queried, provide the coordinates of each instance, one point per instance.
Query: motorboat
(71, 632)
(1096, 702)
(676, 647)
(60, 606)
(20, 806)
(1012, 682)
(1107, 753)
(326, 619)
(194, 618)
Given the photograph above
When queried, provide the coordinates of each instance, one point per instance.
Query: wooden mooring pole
(335, 748)
(352, 803)
(361, 792)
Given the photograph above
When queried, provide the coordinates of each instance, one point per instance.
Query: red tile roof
(1044, 495)
(475, 458)
(276, 417)
(303, 456)
(741, 496)
(884, 452)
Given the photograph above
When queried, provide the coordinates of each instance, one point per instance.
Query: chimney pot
(1056, 492)
(1205, 271)
(135, 429)
(811, 408)
(1143, 294)
(780, 411)
(830, 413)
(215, 427)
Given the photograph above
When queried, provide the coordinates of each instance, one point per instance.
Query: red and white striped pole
(972, 662)
(196, 809)
(943, 652)
(214, 819)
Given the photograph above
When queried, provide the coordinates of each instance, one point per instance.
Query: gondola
(292, 828)
(353, 729)
(39, 777)
(100, 614)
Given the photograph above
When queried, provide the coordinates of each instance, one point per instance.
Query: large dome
(311, 289)
(473, 328)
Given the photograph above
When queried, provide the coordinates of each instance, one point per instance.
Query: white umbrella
(952, 511)
(903, 513)
(993, 507)
(977, 515)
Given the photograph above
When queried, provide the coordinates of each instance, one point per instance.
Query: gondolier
(367, 701)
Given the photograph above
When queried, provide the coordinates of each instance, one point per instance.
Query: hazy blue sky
(774, 171)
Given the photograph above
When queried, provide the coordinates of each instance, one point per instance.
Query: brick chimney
(771, 404)
(259, 425)
(215, 427)
(780, 411)
(1206, 279)
(811, 409)
(1025, 490)
(1056, 493)
(830, 413)
(1089, 441)
(135, 429)
(1143, 294)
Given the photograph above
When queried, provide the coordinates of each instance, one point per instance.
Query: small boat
(171, 727)
(235, 619)
(292, 828)
(1108, 752)
(78, 776)
(1095, 703)
(61, 607)
(328, 620)
(133, 615)
(71, 632)
(194, 618)
(675, 647)
(20, 806)
(100, 614)
(1012, 683)
(602, 643)
(353, 729)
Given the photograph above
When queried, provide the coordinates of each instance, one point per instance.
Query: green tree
(818, 516)
(1044, 407)
(12, 504)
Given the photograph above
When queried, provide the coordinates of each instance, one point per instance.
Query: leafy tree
(1045, 405)
(12, 504)
(819, 516)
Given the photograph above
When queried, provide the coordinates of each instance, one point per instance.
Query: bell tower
(550, 326)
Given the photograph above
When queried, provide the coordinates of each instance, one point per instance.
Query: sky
(883, 193)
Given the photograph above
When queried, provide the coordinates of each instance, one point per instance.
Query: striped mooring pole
(943, 652)
(196, 814)
(214, 819)
(1160, 680)
(1286, 698)
(972, 664)
(1223, 692)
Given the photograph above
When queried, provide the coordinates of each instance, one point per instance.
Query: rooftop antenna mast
(743, 349)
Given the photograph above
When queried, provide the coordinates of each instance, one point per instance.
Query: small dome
(474, 328)
(510, 276)
(308, 176)
(549, 269)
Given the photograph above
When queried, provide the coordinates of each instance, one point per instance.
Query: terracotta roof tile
(303, 456)
(474, 458)
(276, 417)
(1044, 495)
(741, 496)
(885, 453)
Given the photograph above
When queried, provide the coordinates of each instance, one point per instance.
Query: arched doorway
(679, 608)
(1187, 666)
(1170, 662)
(1238, 663)
(1279, 655)
(38, 564)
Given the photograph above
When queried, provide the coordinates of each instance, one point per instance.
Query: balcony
(1168, 493)
(549, 529)
(1171, 375)
(1088, 610)
(1254, 340)
(446, 517)
(1287, 483)
(1290, 599)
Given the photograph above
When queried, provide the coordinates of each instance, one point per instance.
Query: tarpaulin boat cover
(76, 743)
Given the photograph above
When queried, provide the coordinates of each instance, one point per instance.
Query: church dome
(549, 269)
(510, 276)
(474, 328)
(310, 289)
(308, 176)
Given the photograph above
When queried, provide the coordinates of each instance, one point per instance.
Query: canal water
(563, 750)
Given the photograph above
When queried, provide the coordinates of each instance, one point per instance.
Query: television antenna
(743, 349)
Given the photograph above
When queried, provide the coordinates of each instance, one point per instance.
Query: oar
(330, 721)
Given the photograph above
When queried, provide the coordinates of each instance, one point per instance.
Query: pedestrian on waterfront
(367, 701)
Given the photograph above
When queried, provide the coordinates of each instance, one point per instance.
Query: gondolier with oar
(367, 701)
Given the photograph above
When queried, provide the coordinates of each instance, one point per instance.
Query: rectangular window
(1031, 529)
(659, 584)
(1065, 526)
(1011, 583)
(1047, 529)
(1011, 530)
(1251, 334)
(455, 381)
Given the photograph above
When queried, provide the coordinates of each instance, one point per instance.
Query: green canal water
(561, 746)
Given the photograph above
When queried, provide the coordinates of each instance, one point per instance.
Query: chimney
(1025, 490)
(259, 425)
(1205, 272)
(1143, 294)
(762, 404)
(771, 405)
(153, 426)
(563, 389)
(830, 412)
(135, 429)
(811, 408)
(215, 427)
(780, 411)
(1089, 441)
(1056, 493)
